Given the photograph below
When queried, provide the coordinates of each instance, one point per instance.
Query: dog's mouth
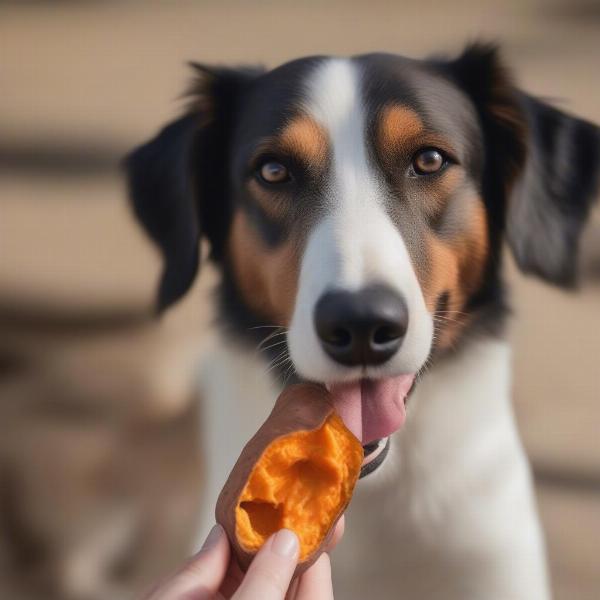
(373, 409)
(375, 453)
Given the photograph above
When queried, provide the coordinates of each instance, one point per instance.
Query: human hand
(211, 575)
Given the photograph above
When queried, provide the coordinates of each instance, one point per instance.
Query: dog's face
(360, 204)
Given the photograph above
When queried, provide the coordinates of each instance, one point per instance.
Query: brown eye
(274, 172)
(428, 161)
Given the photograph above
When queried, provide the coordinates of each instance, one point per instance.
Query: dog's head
(361, 204)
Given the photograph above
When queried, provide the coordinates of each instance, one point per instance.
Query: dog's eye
(273, 172)
(428, 161)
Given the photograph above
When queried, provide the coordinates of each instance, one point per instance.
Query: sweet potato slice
(297, 472)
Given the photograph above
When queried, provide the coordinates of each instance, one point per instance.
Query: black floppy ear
(164, 200)
(552, 198)
(542, 166)
(178, 180)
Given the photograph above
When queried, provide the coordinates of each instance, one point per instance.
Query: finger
(202, 575)
(333, 542)
(316, 584)
(233, 579)
(337, 534)
(271, 570)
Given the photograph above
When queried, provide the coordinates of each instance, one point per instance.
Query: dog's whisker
(426, 366)
(279, 364)
(279, 361)
(280, 354)
(289, 373)
(441, 319)
(270, 346)
(270, 337)
(279, 331)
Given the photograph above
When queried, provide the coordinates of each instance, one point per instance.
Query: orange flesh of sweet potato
(302, 481)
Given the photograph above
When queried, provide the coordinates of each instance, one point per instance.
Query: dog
(357, 209)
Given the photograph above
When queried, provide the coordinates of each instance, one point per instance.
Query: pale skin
(212, 573)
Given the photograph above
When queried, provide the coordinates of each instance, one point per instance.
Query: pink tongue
(372, 409)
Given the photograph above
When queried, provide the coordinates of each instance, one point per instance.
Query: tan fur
(398, 125)
(455, 266)
(307, 141)
(267, 279)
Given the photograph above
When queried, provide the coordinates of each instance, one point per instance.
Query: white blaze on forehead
(355, 243)
(335, 101)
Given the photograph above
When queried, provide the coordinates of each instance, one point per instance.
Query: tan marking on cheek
(456, 267)
(267, 279)
(307, 140)
(472, 249)
(444, 278)
(443, 273)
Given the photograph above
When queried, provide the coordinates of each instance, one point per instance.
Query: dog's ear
(178, 181)
(552, 198)
(545, 164)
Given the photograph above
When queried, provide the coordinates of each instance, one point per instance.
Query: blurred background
(100, 461)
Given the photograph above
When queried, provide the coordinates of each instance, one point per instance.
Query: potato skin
(300, 407)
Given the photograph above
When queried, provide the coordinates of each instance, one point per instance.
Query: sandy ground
(84, 81)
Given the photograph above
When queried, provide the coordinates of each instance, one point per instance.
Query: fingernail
(213, 537)
(285, 543)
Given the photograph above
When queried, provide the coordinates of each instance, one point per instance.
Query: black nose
(365, 327)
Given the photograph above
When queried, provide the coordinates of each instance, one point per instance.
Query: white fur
(451, 513)
(355, 243)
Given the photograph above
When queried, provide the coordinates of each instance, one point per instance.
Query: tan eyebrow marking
(397, 126)
(305, 138)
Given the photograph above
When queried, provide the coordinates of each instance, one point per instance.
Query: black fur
(179, 180)
(161, 187)
(552, 199)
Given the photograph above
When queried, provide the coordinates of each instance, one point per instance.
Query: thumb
(271, 570)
